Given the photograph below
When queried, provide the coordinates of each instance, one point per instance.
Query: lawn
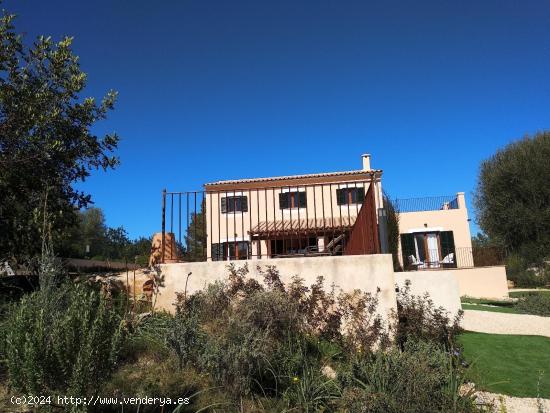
(518, 294)
(482, 304)
(509, 364)
(495, 309)
(501, 303)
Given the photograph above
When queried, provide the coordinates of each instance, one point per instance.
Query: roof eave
(274, 180)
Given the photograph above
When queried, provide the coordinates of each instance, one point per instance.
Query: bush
(308, 390)
(239, 359)
(537, 304)
(422, 378)
(364, 329)
(253, 337)
(153, 376)
(419, 319)
(148, 334)
(185, 336)
(62, 340)
(269, 346)
(249, 345)
(519, 271)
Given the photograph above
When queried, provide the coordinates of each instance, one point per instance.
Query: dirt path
(504, 323)
(512, 290)
(514, 404)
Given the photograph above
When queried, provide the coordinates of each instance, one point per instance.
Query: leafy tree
(138, 251)
(102, 241)
(481, 240)
(117, 243)
(46, 143)
(92, 232)
(513, 197)
(87, 238)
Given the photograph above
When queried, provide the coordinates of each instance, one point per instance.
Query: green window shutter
(224, 205)
(341, 196)
(360, 195)
(303, 200)
(284, 200)
(244, 204)
(407, 247)
(447, 242)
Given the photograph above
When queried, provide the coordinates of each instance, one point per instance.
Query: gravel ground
(513, 404)
(528, 289)
(504, 323)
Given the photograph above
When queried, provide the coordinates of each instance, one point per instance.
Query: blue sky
(214, 90)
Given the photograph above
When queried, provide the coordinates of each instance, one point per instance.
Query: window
(428, 249)
(237, 250)
(347, 196)
(289, 200)
(234, 204)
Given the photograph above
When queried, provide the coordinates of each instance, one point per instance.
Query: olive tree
(46, 142)
(513, 197)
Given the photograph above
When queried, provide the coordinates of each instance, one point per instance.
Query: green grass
(509, 364)
(518, 294)
(494, 309)
(482, 304)
(501, 303)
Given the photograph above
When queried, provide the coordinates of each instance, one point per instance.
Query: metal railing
(434, 203)
(270, 222)
(460, 257)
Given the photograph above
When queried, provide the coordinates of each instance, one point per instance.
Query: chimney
(366, 161)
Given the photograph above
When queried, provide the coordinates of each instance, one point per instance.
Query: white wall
(364, 272)
(442, 287)
(482, 282)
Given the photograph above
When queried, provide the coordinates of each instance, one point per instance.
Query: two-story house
(335, 213)
(316, 214)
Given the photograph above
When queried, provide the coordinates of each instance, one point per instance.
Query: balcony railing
(462, 257)
(427, 204)
(270, 222)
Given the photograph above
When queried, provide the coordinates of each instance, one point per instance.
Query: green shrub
(239, 359)
(522, 274)
(62, 340)
(310, 391)
(421, 378)
(268, 344)
(537, 304)
(185, 336)
(364, 329)
(147, 334)
(250, 345)
(154, 376)
(254, 335)
(150, 367)
(420, 319)
(210, 303)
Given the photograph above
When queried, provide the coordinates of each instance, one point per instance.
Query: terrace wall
(482, 282)
(365, 272)
(442, 286)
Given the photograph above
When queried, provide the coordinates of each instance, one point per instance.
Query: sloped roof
(289, 177)
(296, 226)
